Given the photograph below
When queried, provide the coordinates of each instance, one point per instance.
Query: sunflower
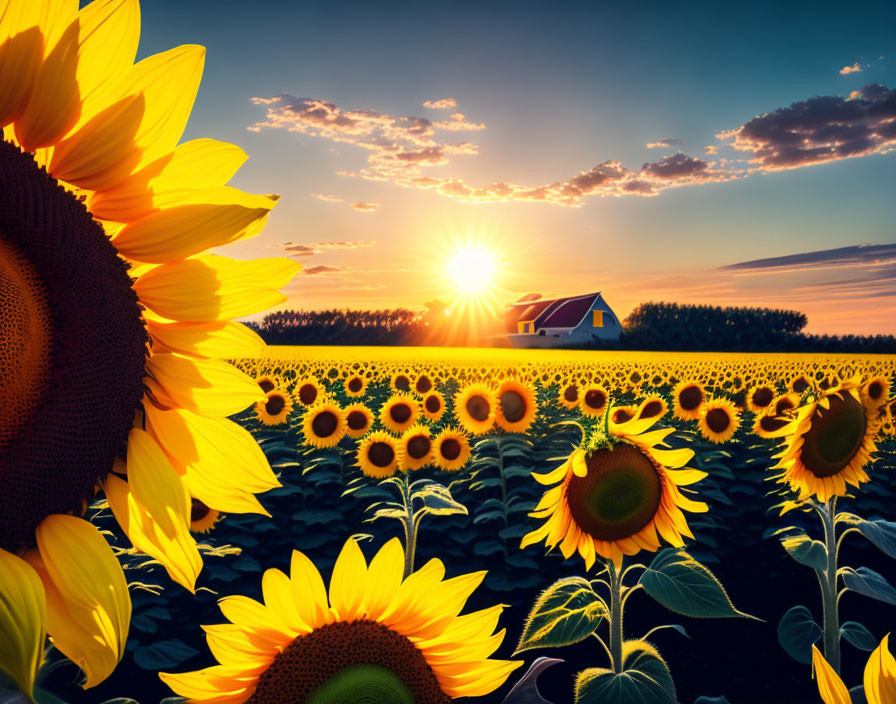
(768, 425)
(355, 385)
(594, 400)
(378, 637)
(719, 420)
(323, 424)
(451, 449)
(569, 395)
(399, 413)
(654, 406)
(874, 392)
(799, 384)
(269, 382)
(760, 397)
(879, 678)
(275, 408)
(379, 455)
(617, 495)
(434, 406)
(474, 408)
(423, 384)
(687, 397)
(110, 308)
(622, 414)
(308, 391)
(416, 447)
(358, 420)
(202, 518)
(400, 383)
(516, 407)
(829, 443)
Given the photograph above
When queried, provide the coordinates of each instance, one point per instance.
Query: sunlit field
(459, 456)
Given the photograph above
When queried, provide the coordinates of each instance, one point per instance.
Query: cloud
(327, 197)
(364, 207)
(818, 130)
(321, 269)
(402, 150)
(443, 104)
(665, 142)
(846, 70)
(856, 255)
(306, 249)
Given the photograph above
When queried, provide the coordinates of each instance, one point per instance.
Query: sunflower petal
(215, 338)
(86, 574)
(830, 686)
(23, 621)
(21, 51)
(880, 675)
(348, 584)
(214, 288)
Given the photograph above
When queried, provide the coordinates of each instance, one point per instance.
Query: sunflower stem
(615, 616)
(829, 588)
(410, 527)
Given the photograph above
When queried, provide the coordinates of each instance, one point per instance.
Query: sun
(472, 269)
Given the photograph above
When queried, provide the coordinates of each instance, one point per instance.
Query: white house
(561, 322)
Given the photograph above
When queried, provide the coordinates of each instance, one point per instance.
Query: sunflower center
(800, 384)
(762, 397)
(771, 424)
(450, 449)
(595, 398)
(618, 497)
(400, 412)
(717, 420)
(571, 393)
(402, 383)
(307, 394)
(355, 384)
(359, 662)
(875, 390)
(834, 436)
(72, 350)
(513, 406)
(324, 424)
(620, 415)
(381, 454)
(266, 385)
(198, 510)
(356, 420)
(651, 409)
(423, 385)
(690, 398)
(419, 446)
(433, 404)
(275, 404)
(477, 408)
(784, 405)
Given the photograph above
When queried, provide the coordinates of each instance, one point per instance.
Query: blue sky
(548, 95)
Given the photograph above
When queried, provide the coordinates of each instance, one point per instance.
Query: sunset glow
(472, 270)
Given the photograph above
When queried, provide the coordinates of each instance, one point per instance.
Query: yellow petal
(880, 675)
(210, 219)
(278, 598)
(218, 684)
(220, 461)
(208, 387)
(84, 570)
(224, 339)
(348, 584)
(214, 287)
(21, 51)
(197, 164)
(830, 686)
(383, 578)
(308, 591)
(579, 466)
(23, 621)
(108, 37)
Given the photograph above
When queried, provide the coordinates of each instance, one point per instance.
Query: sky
(729, 154)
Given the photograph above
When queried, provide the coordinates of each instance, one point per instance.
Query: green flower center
(363, 684)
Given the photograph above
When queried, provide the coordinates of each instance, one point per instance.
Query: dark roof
(549, 313)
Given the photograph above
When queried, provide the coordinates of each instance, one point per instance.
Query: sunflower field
(536, 493)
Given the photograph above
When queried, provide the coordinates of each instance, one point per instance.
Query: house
(560, 322)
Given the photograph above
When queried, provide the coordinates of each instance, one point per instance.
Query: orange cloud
(327, 197)
(664, 143)
(846, 70)
(363, 207)
(306, 249)
(443, 104)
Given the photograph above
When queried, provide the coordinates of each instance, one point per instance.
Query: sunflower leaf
(681, 584)
(806, 551)
(797, 633)
(645, 679)
(867, 582)
(437, 500)
(858, 636)
(566, 612)
(881, 533)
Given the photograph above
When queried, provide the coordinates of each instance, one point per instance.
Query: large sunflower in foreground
(617, 495)
(376, 637)
(828, 443)
(113, 318)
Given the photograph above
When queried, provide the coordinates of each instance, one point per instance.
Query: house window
(525, 327)
(598, 319)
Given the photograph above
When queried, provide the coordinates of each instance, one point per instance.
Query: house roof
(549, 313)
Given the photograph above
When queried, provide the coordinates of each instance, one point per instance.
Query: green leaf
(870, 583)
(565, 613)
(881, 533)
(645, 679)
(858, 636)
(164, 654)
(438, 501)
(806, 551)
(683, 585)
(797, 633)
